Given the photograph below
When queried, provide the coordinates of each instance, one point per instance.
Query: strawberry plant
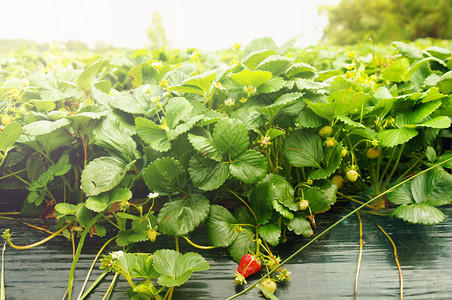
(247, 145)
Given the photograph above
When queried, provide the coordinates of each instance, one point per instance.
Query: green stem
(198, 246)
(7, 236)
(79, 251)
(110, 288)
(12, 174)
(334, 225)
(2, 288)
(246, 204)
(395, 165)
(93, 285)
(361, 243)
(3, 158)
(92, 266)
(387, 166)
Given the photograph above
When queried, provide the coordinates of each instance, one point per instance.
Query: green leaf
(138, 101)
(152, 134)
(144, 268)
(66, 208)
(251, 78)
(279, 103)
(127, 262)
(84, 215)
(321, 198)
(202, 81)
(445, 156)
(165, 176)
(87, 76)
(44, 126)
(177, 110)
(259, 44)
(9, 135)
(419, 114)
(273, 85)
(308, 119)
(182, 215)
(322, 109)
(408, 50)
(432, 94)
(430, 153)
(242, 245)
(146, 73)
(301, 70)
(261, 198)
(445, 83)
(401, 195)
(303, 149)
(433, 188)
(350, 122)
(207, 174)
(282, 210)
(249, 167)
(299, 225)
(396, 71)
(51, 141)
(230, 136)
(304, 84)
(394, 137)
(187, 89)
(441, 122)
(114, 137)
(284, 191)
(419, 214)
(43, 105)
(439, 52)
(255, 58)
(202, 141)
(176, 268)
(271, 233)
(347, 102)
(330, 166)
(59, 169)
(175, 78)
(101, 202)
(221, 225)
(275, 64)
(103, 174)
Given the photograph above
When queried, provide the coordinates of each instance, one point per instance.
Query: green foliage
(165, 143)
(355, 21)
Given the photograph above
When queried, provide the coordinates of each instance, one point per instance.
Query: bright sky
(202, 24)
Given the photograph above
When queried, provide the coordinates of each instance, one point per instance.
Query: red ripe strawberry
(248, 265)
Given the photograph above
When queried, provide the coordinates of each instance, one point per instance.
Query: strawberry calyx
(239, 279)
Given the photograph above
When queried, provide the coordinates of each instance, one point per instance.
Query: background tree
(156, 32)
(355, 21)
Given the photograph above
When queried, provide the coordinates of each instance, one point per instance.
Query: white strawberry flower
(117, 254)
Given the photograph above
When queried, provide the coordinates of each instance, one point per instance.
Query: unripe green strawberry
(352, 175)
(373, 153)
(304, 204)
(344, 152)
(6, 120)
(269, 285)
(326, 131)
(152, 234)
(330, 142)
(248, 265)
(338, 180)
